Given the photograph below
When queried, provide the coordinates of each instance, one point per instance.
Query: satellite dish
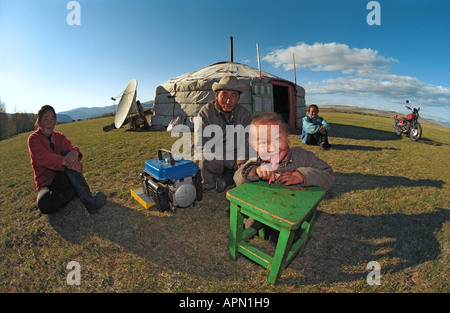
(124, 106)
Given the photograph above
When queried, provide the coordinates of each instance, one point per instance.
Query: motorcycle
(408, 125)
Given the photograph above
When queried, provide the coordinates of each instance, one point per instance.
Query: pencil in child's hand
(274, 161)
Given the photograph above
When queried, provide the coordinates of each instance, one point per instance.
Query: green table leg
(236, 228)
(283, 247)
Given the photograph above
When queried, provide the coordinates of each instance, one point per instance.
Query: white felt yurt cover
(186, 94)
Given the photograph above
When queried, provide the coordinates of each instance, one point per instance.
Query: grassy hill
(390, 204)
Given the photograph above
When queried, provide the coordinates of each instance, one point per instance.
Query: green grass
(390, 204)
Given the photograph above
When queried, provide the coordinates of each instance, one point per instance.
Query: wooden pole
(295, 72)
(259, 62)
(231, 49)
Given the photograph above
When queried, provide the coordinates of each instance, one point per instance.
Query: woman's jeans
(57, 195)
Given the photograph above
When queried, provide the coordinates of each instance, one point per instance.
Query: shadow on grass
(358, 147)
(345, 182)
(193, 240)
(343, 244)
(431, 142)
(363, 133)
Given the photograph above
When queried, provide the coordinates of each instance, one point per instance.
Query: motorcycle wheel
(416, 133)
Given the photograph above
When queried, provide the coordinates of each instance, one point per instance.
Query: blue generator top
(162, 169)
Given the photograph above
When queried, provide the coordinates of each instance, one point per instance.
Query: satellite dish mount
(123, 115)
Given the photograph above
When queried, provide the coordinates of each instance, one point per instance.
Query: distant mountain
(63, 118)
(84, 113)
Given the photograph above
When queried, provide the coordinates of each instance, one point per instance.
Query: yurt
(182, 97)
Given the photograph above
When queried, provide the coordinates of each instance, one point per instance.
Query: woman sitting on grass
(57, 167)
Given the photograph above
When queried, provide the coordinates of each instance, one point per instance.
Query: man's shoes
(272, 236)
(221, 184)
(225, 180)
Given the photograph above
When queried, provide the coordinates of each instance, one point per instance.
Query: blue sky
(340, 59)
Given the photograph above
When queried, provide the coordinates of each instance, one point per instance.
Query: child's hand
(265, 172)
(291, 178)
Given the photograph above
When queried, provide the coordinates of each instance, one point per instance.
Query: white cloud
(331, 57)
(398, 88)
(366, 73)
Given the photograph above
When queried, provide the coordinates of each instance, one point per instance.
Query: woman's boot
(79, 184)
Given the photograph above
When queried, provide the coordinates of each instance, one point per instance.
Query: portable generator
(171, 183)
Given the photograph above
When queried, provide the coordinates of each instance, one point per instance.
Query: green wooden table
(290, 210)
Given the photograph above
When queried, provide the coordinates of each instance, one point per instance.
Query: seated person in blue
(315, 129)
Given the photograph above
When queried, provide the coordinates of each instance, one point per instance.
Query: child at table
(268, 135)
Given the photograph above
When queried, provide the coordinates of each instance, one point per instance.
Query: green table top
(276, 200)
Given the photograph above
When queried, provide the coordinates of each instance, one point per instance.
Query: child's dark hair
(270, 117)
(313, 106)
(41, 113)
